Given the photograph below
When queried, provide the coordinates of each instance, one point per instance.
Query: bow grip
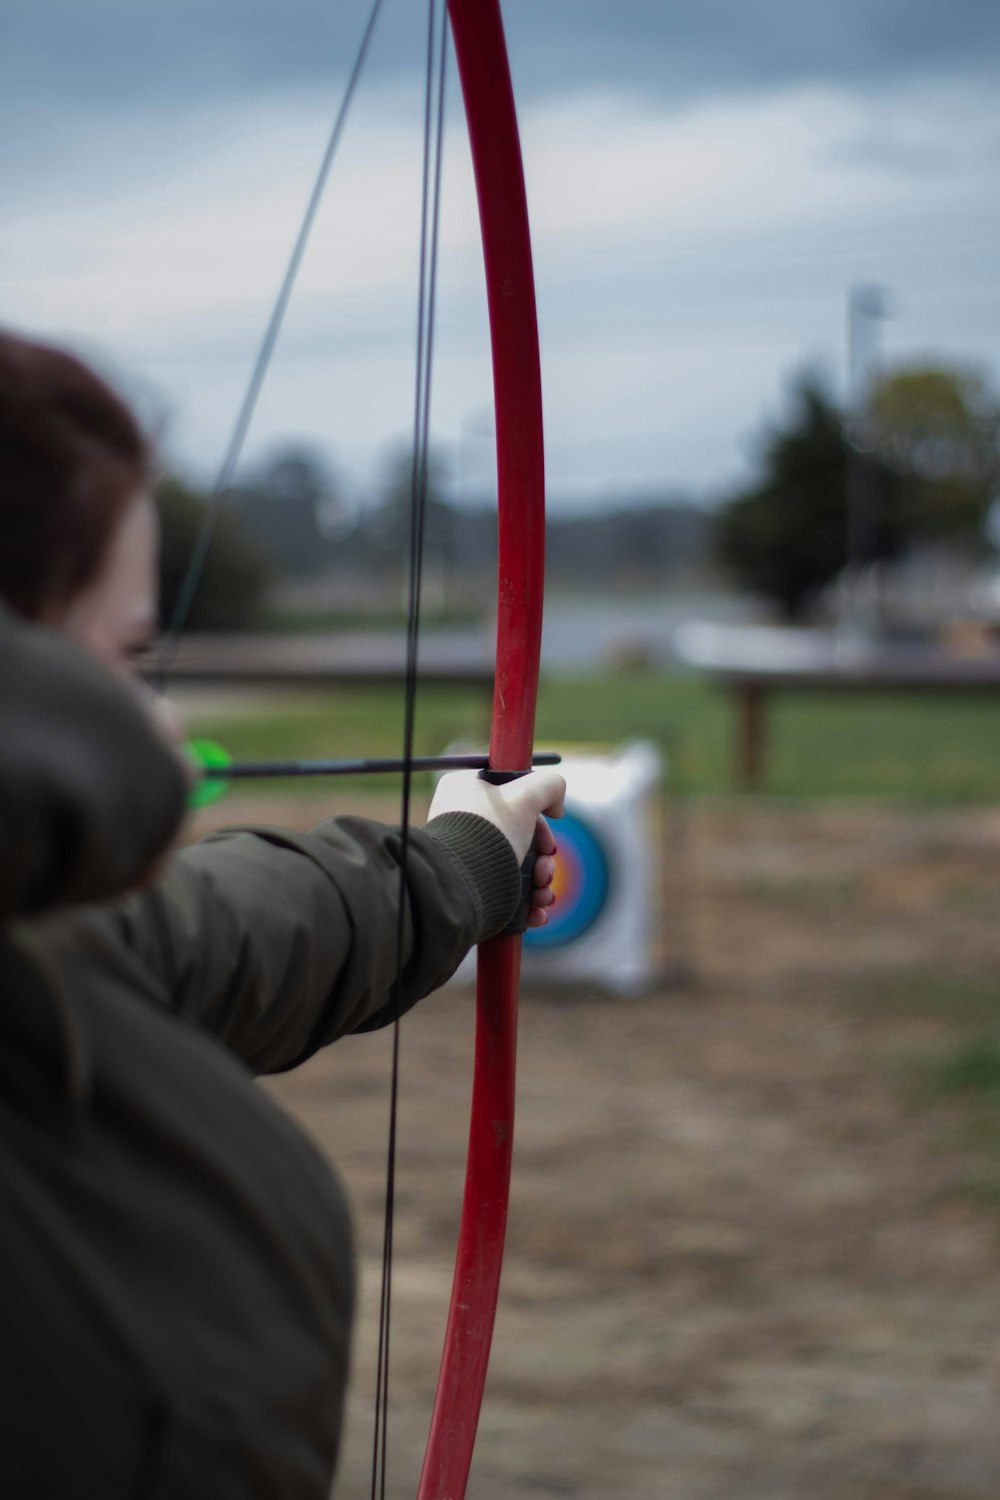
(519, 921)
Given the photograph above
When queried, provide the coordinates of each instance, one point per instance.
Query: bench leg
(750, 707)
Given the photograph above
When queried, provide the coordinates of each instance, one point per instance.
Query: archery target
(581, 884)
(604, 928)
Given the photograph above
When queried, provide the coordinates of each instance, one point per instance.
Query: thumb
(543, 791)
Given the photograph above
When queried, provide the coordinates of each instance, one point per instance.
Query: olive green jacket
(89, 792)
(176, 1271)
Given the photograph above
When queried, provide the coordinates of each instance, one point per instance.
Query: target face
(581, 885)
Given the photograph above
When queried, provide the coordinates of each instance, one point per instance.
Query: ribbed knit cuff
(488, 864)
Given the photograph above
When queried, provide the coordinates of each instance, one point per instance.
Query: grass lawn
(924, 751)
(957, 1073)
(914, 748)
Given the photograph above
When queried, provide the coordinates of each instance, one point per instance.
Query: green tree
(293, 511)
(387, 525)
(235, 574)
(940, 429)
(787, 536)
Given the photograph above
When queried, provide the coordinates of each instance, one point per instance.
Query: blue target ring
(581, 886)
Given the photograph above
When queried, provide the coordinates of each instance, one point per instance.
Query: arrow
(217, 769)
(247, 770)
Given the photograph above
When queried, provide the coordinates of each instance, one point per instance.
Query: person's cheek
(167, 722)
(166, 717)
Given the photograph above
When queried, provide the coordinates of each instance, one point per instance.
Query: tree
(940, 429)
(292, 511)
(235, 574)
(787, 536)
(387, 525)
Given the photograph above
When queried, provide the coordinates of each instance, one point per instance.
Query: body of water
(583, 634)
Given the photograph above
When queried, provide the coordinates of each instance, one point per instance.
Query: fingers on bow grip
(519, 921)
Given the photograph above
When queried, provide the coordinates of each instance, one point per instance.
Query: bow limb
(480, 49)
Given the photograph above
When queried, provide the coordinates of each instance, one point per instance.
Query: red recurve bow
(481, 52)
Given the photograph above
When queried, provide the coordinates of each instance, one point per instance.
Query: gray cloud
(64, 55)
(667, 321)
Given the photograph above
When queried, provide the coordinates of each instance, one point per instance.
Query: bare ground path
(738, 1267)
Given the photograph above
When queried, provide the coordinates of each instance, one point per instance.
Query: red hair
(72, 457)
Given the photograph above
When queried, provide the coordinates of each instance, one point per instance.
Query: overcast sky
(706, 181)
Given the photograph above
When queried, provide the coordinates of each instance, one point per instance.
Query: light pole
(867, 305)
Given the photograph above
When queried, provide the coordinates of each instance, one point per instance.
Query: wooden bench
(457, 659)
(754, 662)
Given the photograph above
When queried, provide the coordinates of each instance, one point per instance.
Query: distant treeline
(288, 526)
(292, 514)
(839, 502)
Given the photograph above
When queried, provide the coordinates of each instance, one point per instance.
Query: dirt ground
(738, 1267)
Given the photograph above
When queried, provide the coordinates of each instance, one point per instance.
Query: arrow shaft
(272, 769)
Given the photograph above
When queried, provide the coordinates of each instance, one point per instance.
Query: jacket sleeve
(281, 942)
(90, 795)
